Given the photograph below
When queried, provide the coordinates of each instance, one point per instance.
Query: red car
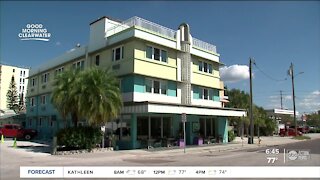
(15, 130)
(290, 132)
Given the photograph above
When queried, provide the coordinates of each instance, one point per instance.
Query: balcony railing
(203, 45)
(161, 30)
(145, 24)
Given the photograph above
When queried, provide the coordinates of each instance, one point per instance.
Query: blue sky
(274, 33)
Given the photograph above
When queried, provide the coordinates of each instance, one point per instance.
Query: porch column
(149, 127)
(133, 131)
(161, 127)
(223, 128)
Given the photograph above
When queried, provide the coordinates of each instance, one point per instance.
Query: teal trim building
(163, 74)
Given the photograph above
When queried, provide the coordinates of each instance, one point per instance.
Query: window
(149, 85)
(156, 86)
(20, 88)
(20, 80)
(20, 73)
(32, 101)
(205, 67)
(43, 99)
(13, 70)
(200, 65)
(163, 88)
(24, 73)
(117, 53)
(164, 56)
(51, 123)
(40, 121)
(210, 68)
(58, 71)
(30, 122)
(45, 78)
(205, 94)
(23, 81)
(33, 82)
(156, 54)
(149, 52)
(78, 65)
(97, 60)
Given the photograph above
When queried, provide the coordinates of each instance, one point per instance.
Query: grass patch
(301, 137)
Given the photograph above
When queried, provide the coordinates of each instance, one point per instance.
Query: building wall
(20, 76)
(133, 70)
(154, 68)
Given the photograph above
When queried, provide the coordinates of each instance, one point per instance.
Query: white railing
(203, 45)
(137, 21)
(161, 30)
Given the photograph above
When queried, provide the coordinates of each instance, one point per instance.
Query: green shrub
(301, 137)
(79, 137)
(315, 130)
(231, 136)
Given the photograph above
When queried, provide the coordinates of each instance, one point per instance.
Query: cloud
(58, 43)
(316, 93)
(310, 102)
(234, 73)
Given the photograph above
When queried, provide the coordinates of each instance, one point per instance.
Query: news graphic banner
(170, 172)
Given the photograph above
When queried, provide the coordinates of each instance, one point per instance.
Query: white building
(20, 74)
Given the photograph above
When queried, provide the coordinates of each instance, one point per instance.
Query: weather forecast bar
(170, 172)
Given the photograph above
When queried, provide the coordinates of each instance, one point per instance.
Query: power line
(268, 76)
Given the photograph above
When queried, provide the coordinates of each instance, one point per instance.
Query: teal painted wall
(132, 83)
(216, 96)
(196, 92)
(127, 84)
(172, 88)
(136, 83)
(189, 133)
(139, 84)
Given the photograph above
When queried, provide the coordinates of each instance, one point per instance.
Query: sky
(275, 34)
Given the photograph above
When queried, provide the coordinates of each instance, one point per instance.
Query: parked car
(304, 129)
(289, 132)
(17, 131)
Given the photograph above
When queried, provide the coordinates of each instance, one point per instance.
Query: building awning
(153, 107)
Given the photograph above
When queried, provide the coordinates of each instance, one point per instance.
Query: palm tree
(64, 95)
(100, 98)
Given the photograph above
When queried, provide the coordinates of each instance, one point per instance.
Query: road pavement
(232, 154)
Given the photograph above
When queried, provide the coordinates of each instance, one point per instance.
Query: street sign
(183, 117)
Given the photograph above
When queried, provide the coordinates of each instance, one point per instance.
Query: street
(12, 159)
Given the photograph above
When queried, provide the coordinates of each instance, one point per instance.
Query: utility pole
(281, 107)
(293, 98)
(250, 140)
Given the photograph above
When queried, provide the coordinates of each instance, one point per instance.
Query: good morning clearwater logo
(35, 32)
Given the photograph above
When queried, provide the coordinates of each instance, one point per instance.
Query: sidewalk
(43, 149)
(237, 144)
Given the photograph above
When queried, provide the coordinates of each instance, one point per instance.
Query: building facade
(163, 74)
(19, 74)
